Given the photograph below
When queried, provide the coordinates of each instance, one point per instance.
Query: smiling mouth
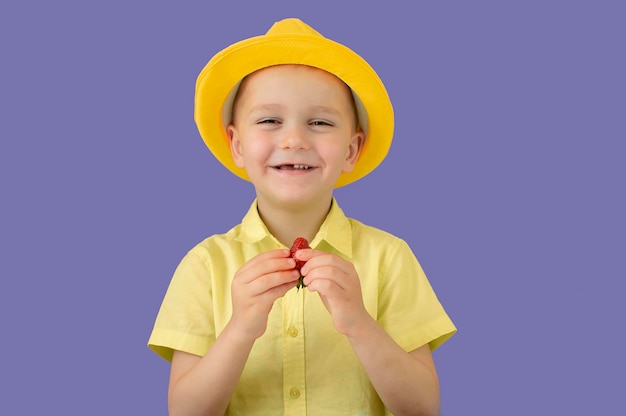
(293, 167)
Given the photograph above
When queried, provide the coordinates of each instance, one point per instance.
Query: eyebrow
(325, 109)
(265, 107)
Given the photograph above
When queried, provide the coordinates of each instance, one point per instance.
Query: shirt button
(293, 331)
(294, 393)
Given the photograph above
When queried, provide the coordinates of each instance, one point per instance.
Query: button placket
(294, 379)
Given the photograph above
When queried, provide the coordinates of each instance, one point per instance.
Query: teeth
(300, 167)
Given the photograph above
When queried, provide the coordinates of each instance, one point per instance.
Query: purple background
(506, 176)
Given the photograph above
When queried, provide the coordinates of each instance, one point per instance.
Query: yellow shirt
(301, 365)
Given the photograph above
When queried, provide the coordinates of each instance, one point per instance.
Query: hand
(338, 285)
(256, 285)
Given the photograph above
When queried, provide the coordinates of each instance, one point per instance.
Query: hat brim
(226, 69)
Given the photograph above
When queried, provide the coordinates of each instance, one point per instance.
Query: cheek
(257, 149)
(334, 155)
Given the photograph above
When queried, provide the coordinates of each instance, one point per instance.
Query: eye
(320, 123)
(268, 121)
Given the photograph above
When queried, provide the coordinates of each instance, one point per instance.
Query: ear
(236, 147)
(354, 150)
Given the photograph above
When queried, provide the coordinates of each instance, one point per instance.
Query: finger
(270, 281)
(266, 263)
(279, 291)
(268, 255)
(305, 254)
(331, 274)
(324, 259)
(259, 270)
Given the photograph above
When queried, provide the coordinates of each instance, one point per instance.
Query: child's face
(294, 131)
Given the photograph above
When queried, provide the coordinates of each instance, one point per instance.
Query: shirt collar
(335, 231)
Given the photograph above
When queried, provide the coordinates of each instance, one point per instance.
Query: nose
(294, 137)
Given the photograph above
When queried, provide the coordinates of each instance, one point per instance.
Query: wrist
(239, 333)
(362, 330)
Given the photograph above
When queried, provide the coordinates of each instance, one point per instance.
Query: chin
(288, 198)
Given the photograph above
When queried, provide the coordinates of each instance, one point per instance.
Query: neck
(288, 222)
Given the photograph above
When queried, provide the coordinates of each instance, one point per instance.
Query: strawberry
(298, 244)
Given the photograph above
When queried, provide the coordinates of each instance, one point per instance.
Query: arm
(204, 385)
(406, 382)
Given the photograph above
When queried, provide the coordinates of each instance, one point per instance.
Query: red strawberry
(298, 244)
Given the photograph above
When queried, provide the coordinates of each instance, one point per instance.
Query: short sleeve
(409, 309)
(185, 319)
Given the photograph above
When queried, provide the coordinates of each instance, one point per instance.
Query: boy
(298, 115)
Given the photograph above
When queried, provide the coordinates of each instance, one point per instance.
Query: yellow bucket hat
(291, 41)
